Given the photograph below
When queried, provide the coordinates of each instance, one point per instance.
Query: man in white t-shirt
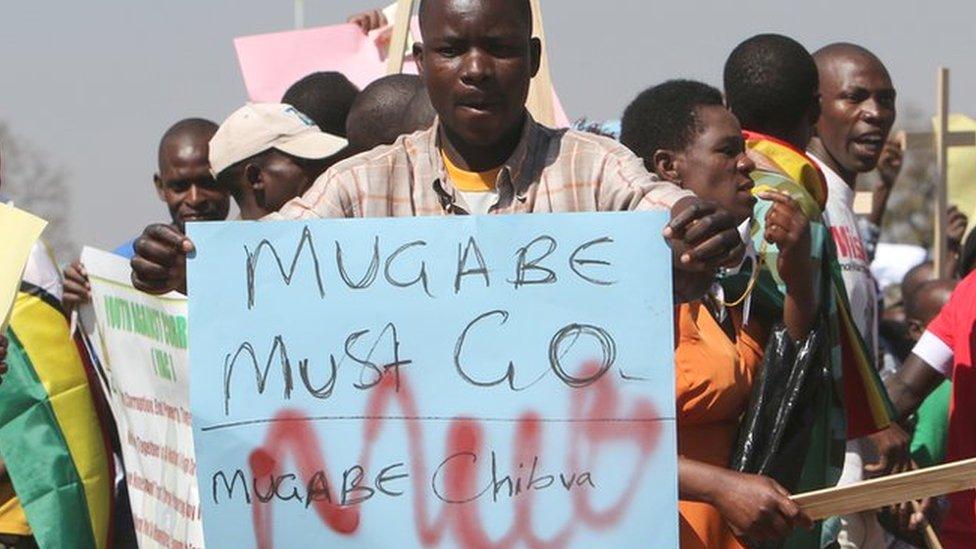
(857, 112)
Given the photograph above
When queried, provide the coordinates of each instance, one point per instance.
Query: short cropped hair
(665, 117)
(326, 98)
(915, 277)
(771, 83)
(197, 127)
(379, 114)
(524, 8)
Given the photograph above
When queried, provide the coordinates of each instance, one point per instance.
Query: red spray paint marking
(296, 437)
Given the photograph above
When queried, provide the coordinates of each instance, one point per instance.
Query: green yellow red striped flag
(780, 166)
(50, 434)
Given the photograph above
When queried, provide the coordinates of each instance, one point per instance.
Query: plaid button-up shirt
(549, 171)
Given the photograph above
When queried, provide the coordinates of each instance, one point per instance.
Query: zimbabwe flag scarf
(782, 167)
(50, 435)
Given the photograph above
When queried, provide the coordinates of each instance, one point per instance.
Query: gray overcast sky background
(93, 85)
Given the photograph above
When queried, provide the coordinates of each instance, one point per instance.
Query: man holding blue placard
(485, 154)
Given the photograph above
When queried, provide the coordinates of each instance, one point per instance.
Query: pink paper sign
(270, 63)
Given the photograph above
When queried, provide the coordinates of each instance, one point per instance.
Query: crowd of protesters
(758, 178)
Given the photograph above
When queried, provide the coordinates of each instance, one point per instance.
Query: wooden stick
(931, 538)
(905, 141)
(398, 42)
(941, 159)
(299, 14)
(890, 490)
(539, 101)
(926, 140)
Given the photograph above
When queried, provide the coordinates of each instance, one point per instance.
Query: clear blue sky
(93, 84)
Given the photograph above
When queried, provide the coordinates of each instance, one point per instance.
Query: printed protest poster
(434, 382)
(142, 343)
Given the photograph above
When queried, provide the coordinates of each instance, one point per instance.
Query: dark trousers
(8, 541)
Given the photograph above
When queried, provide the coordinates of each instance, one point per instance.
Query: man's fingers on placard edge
(148, 271)
(679, 222)
(164, 233)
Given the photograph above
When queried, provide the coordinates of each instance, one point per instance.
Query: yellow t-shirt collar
(470, 182)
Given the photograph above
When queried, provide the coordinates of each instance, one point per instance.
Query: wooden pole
(926, 140)
(928, 533)
(539, 101)
(299, 14)
(931, 538)
(941, 166)
(939, 141)
(884, 491)
(398, 42)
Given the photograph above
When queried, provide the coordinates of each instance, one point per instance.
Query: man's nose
(745, 164)
(194, 196)
(874, 112)
(477, 67)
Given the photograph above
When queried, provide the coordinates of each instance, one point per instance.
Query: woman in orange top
(684, 133)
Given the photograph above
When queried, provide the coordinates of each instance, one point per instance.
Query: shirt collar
(515, 176)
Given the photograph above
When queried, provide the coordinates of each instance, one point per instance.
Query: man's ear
(254, 178)
(815, 108)
(418, 57)
(160, 189)
(915, 329)
(665, 164)
(535, 50)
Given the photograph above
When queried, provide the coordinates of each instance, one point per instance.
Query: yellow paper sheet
(19, 232)
(961, 170)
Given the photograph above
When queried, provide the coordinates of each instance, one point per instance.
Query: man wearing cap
(486, 155)
(264, 154)
(268, 153)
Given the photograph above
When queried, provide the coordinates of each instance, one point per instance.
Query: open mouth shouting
(868, 144)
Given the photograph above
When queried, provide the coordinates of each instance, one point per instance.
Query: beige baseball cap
(257, 127)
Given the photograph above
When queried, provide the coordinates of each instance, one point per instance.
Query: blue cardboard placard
(450, 381)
